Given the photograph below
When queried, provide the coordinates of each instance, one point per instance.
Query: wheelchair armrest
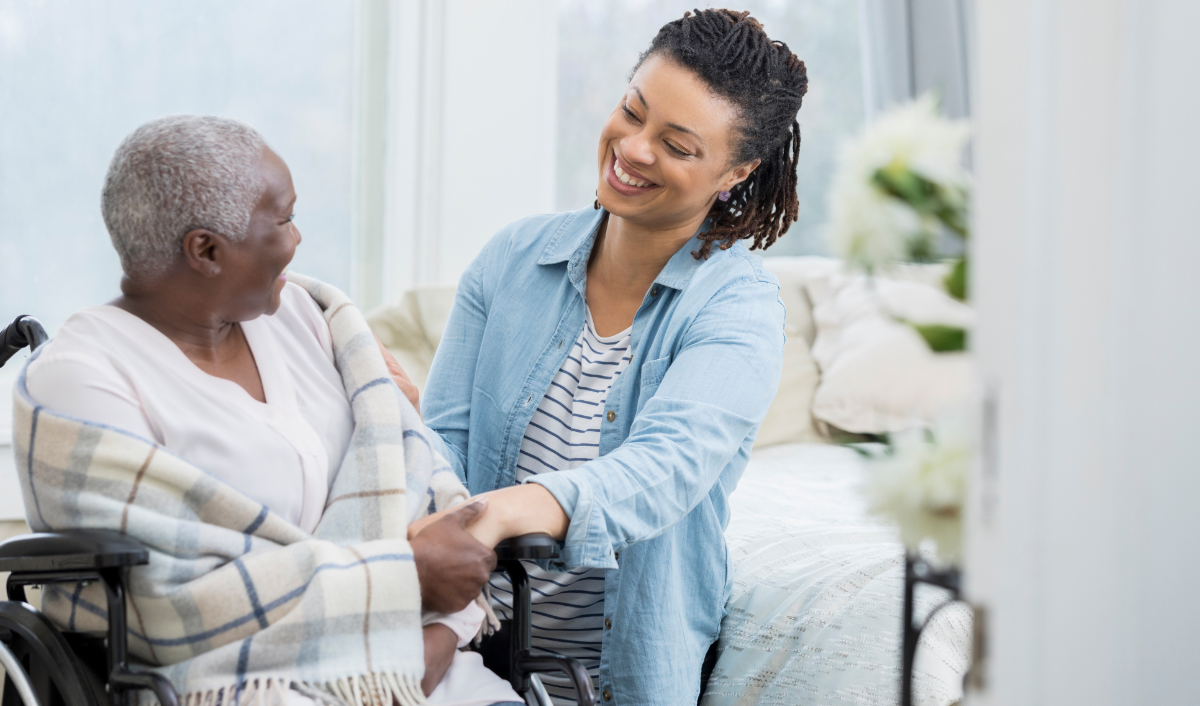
(526, 546)
(71, 550)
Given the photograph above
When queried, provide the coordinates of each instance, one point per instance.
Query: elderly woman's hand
(452, 566)
(406, 384)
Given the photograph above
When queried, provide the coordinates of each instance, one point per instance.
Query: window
(600, 41)
(76, 78)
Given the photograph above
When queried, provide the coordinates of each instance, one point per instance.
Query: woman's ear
(200, 251)
(739, 174)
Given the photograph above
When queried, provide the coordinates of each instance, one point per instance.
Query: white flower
(869, 227)
(921, 487)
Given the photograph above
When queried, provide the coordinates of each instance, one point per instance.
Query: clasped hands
(453, 549)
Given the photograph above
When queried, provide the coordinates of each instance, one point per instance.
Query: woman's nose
(636, 148)
(296, 233)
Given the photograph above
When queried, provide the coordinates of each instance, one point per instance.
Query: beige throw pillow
(412, 327)
(789, 419)
(877, 374)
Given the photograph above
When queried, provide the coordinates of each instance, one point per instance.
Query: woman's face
(254, 267)
(666, 148)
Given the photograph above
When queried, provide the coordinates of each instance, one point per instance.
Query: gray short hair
(176, 174)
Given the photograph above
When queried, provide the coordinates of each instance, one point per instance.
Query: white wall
(1084, 532)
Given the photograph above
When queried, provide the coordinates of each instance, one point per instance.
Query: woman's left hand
(406, 384)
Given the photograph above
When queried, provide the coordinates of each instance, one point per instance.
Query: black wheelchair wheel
(57, 677)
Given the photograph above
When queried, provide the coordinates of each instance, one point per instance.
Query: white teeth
(625, 178)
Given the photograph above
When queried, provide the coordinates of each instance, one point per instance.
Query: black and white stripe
(568, 608)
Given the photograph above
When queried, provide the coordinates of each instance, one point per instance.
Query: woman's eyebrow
(693, 133)
(642, 98)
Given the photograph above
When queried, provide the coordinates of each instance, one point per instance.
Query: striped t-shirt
(568, 608)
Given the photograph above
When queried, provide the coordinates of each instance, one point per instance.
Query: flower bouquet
(901, 194)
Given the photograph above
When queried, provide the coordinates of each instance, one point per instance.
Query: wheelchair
(45, 666)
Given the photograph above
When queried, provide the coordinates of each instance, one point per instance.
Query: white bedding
(815, 613)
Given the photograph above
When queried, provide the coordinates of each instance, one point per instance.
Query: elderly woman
(213, 356)
(603, 373)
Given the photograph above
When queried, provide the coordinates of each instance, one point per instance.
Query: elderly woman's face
(666, 148)
(254, 270)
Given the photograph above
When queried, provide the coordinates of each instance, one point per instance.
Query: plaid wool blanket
(237, 605)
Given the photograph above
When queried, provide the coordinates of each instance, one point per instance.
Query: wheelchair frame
(52, 668)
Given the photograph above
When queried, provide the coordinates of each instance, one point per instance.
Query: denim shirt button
(607, 696)
(607, 624)
(612, 416)
(654, 291)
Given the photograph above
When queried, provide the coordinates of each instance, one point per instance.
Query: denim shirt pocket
(652, 374)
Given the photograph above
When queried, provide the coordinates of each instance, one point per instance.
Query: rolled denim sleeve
(713, 395)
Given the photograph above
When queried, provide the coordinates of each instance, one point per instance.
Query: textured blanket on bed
(237, 604)
(814, 618)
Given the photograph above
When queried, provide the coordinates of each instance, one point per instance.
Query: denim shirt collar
(573, 244)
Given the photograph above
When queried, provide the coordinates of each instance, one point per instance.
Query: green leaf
(946, 203)
(942, 339)
(956, 280)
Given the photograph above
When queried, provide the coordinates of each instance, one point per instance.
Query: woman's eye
(291, 217)
(629, 113)
(676, 150)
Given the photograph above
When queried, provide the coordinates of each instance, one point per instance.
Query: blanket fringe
(372, 689)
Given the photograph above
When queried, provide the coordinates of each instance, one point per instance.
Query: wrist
(535, 509)
(511, 520)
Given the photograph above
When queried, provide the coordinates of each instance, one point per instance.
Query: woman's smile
(625, 180)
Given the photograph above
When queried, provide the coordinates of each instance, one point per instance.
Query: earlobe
(200, 251)
(741, 173)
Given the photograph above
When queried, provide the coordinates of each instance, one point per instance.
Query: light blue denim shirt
(707, 346)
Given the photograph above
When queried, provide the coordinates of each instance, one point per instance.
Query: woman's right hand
(452, 566)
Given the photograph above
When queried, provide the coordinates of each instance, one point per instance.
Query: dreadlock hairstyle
(766, 82)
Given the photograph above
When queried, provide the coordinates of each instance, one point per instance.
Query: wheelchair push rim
(45, 662)
(14, 672)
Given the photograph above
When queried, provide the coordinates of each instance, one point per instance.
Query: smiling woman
(759, 204)
(667, 139)
(648, 358)
(599, 43)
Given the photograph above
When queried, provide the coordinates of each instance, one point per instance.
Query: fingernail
(481, 500)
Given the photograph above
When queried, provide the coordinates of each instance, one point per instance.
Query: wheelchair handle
(23, 331)
(527, 546)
